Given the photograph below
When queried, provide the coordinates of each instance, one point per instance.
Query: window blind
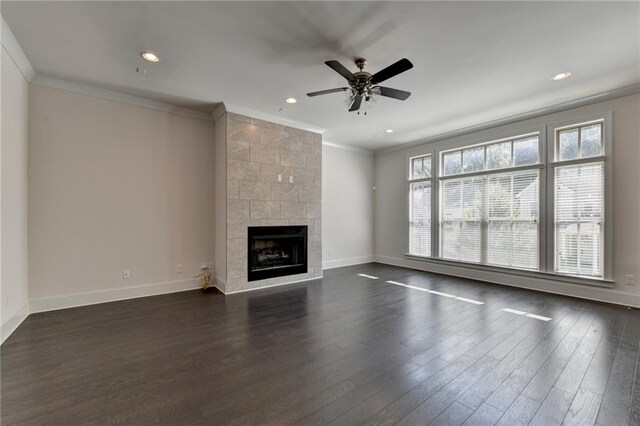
(491, 219)
(579, 219)
(420, 219)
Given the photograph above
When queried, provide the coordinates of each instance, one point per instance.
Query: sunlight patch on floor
(534, 316)
(438, 293)
(371, 277)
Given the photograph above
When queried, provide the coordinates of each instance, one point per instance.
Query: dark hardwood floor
(344, 350)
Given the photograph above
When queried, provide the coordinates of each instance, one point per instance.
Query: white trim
(248, 112)
(14, 50)
(532, 283)
(272, 285)
(111, 95)
(45, 304)
(222, 287)
(14, 322)
(600, 97)
(219, 112)
(511, 270)
(349, 261)
(348, 147)
(606, 159)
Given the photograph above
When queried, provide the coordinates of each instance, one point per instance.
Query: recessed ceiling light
(562, 76)
(389, 131)
(291, 100)
(149, 56)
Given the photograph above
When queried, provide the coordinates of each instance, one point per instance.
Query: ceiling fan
(364, 86)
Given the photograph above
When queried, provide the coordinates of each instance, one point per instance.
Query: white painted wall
(347, 207)
(13, 222)
(390, 221)
(115, 186)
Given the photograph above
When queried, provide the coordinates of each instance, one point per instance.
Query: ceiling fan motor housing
(361, 82)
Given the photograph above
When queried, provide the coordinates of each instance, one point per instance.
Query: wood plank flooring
(343, 350)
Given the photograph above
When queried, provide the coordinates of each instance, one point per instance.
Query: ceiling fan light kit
(363, 86)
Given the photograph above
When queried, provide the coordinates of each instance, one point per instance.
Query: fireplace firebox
(276, 251)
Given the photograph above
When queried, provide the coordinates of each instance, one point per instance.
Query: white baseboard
(91, 298)
(540, 284)
(14, 322)
(221, 285)
(338, 263)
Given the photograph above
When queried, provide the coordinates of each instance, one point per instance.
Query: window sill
(567, 279)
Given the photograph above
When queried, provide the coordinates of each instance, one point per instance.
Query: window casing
(420, 211)
(504, 203)
(491, 216)
(579, 200)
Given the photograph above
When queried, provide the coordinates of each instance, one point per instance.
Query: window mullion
(484, 223)
(435, 205)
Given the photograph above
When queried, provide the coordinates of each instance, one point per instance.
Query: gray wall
(115, 186)
(347, 206)
(13, 223)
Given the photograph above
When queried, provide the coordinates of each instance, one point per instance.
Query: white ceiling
(474, 62)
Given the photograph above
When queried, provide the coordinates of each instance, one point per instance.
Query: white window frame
(546, 165)
(541, 134)
(409, 161)
(607, 159)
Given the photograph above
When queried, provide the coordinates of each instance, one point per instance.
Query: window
(579, 201)
(420, 206)
(579, 142)
(492, 217)
(513, 204)
(461, 219)
(538, 202)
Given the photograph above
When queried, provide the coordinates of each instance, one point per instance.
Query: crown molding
(13, 49)
(348, 147)
(83, 89)
(273, 118)
(564, 106)
(219, 112)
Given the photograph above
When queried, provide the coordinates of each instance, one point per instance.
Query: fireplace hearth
(276, 251)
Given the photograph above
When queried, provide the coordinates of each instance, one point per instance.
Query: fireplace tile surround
(256, 152)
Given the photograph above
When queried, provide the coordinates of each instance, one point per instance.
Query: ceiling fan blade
(391, 71)
(394, 93)
(356, 103)
(325, 92)
(340, 69)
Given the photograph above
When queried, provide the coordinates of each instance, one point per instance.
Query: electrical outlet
(178, 269)
(279, 178)
(126, 274)
(290, 179)
(630, 279)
